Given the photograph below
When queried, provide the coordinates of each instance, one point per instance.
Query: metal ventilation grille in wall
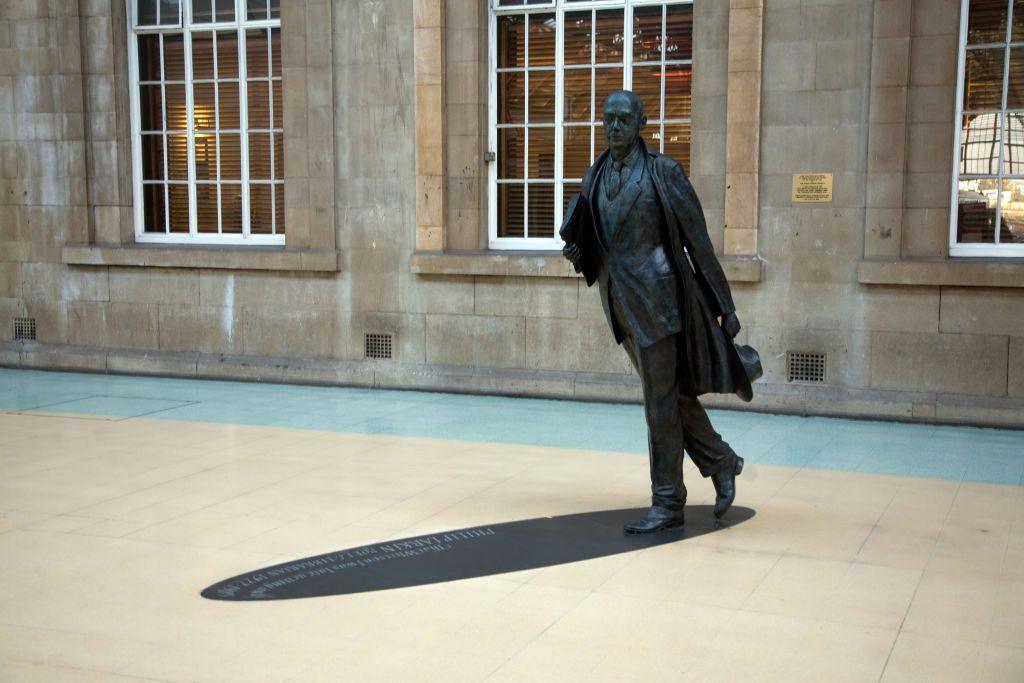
(378, 346)
(803, 366)
(24, 329)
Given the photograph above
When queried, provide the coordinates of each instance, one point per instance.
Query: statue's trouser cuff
(674, 422)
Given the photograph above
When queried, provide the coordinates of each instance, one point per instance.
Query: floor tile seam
(917, 588)
(877, 521)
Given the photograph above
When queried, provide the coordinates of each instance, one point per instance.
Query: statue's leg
(656, 365)
(709, 452)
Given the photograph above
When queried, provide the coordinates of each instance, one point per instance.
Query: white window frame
(559, 7)
(185, 27)
(969, 249)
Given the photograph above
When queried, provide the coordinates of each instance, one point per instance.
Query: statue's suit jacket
(708, 362)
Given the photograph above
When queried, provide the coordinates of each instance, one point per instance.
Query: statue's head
(623, 120)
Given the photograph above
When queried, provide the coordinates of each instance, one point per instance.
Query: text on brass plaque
(812, 187)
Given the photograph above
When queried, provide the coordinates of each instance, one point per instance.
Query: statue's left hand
(731, 325)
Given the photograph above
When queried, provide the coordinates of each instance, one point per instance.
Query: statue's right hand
(572, 252)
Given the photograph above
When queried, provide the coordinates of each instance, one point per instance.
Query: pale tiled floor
(110, 528)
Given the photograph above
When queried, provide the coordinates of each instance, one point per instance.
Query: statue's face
(622, 125)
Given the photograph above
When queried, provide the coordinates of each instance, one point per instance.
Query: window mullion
(661, 103)
(190, 132)
(166, 139)
(627, 47)
(243, 122)
(559, 114)
(526, 129)
(1002, 124)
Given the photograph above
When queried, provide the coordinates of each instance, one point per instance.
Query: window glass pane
(259, 104)
(542, 96)
(202, 55)
(647, 34)
(510, 152)
(170, 13)
(1018, 20)
(576, 151)
(577, 38)
(606, 81)
(275, 52)
(976, 211)
(511, 200)
(227, 106)
(206, 207)
(203, 103)
(542, 39)
(257, 55)
(275, 9)
(677, 92)
(175, 105)
(206, 156)
(979, 144)
(1015, 81)
(983, 79)
(149, 57)
(178, 207)
(257, 9)
(276, 104)
(652, 136)
(541, 153)
(576, 84)
(225, 10)
(677, 143)
(608, 38)
(152, 157)
(279, 209)
(259, 156)
(511, 41)
(986, 21)
(231, 208)
(177, 157)
(145, 12)
(227, 54)
(230, 156)
(154, 218)
(174, 57)
(202, 11)
(647, 84)
(1011, 212)
(278, 155)
(1013, 149)
(260, 209)
(542, 210)
(679, 32)
(511, 97)
(568, 191)
(151, 107)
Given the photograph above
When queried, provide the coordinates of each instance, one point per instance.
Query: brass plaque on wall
(812, 187)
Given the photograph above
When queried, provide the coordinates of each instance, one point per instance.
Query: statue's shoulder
(666, 165)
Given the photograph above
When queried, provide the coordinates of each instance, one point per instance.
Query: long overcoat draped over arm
(708, 362)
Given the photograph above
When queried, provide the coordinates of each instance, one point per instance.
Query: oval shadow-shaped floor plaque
(463, 554)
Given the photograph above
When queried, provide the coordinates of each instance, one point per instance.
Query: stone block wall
(862, 89)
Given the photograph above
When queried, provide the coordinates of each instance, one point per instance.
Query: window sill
(543, 264)
(220, 257)
(975, 272)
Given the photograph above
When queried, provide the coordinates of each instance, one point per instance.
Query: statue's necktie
(615, 179)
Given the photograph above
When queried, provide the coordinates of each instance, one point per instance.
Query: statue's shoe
(725, 487)
(655, 519)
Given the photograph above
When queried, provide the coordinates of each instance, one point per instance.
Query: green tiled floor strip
(957, 453)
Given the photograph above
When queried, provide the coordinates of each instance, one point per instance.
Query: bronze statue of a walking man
(637, 229)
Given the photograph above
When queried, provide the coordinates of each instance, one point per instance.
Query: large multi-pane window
(988, 183)
(207, 124)
(552, 64)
